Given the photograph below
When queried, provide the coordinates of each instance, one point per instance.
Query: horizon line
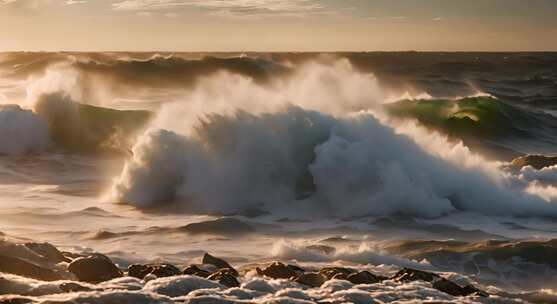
(279, 52)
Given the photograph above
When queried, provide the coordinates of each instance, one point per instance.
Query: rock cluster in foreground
(44, 262)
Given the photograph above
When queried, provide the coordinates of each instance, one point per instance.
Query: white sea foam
(187, 289)
(21, 131)
(237, 145)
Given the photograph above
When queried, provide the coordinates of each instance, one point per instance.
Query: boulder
(159, 270)
(14, 300)
(219, 263)
(311, 279)
(224, 277)
(26, 269)
(364, 277)
(437, 282)
(138, 271)
(48, 251)
(339, 273)
(196, 271)
(94, 269)
(278, 270)
(73, 287)
(456, 290)
(164, 270)
(409, 275)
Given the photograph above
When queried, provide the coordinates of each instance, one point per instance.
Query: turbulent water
(371, 160)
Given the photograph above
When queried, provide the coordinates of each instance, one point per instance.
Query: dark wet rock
(364, 277)
(224, 226)
(538, 162)
(406, 275)
(21, 251)
(48, 251)
(297, 268)
(225, 278)
(138, 271)
(278, 270)
(456, 290)
(165, 270)
(94, 269)
(159, 270)
(409, 275)
(323, 249)
(99, 255)
(15, 300)
(219, 263)
(73, 287)
(339, 273)
(196, 271)
(311, 279)
(26, 269)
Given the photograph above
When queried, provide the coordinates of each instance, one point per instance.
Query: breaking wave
(60, 123)
(316, 144)
(300, 161)
(321, 140)
(21, 131)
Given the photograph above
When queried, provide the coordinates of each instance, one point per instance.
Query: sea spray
(237, 145)
(21, 131)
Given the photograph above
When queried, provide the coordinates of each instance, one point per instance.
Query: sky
(278, 25)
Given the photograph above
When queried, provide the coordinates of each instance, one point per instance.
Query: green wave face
(474, 116)
(81, 128)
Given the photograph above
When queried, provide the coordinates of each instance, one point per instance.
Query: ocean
(377, 161)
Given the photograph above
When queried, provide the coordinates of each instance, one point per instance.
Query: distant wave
(139, 70)
(172, 71)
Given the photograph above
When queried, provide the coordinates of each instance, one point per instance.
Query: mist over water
(308, 158)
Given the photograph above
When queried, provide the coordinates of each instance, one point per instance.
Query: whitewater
(313, 160)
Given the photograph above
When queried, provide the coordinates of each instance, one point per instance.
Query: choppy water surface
(370, 160)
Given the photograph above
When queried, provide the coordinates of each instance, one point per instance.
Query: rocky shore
(40, 273)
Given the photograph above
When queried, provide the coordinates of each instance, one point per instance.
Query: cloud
(36, 4)
(231, 8)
